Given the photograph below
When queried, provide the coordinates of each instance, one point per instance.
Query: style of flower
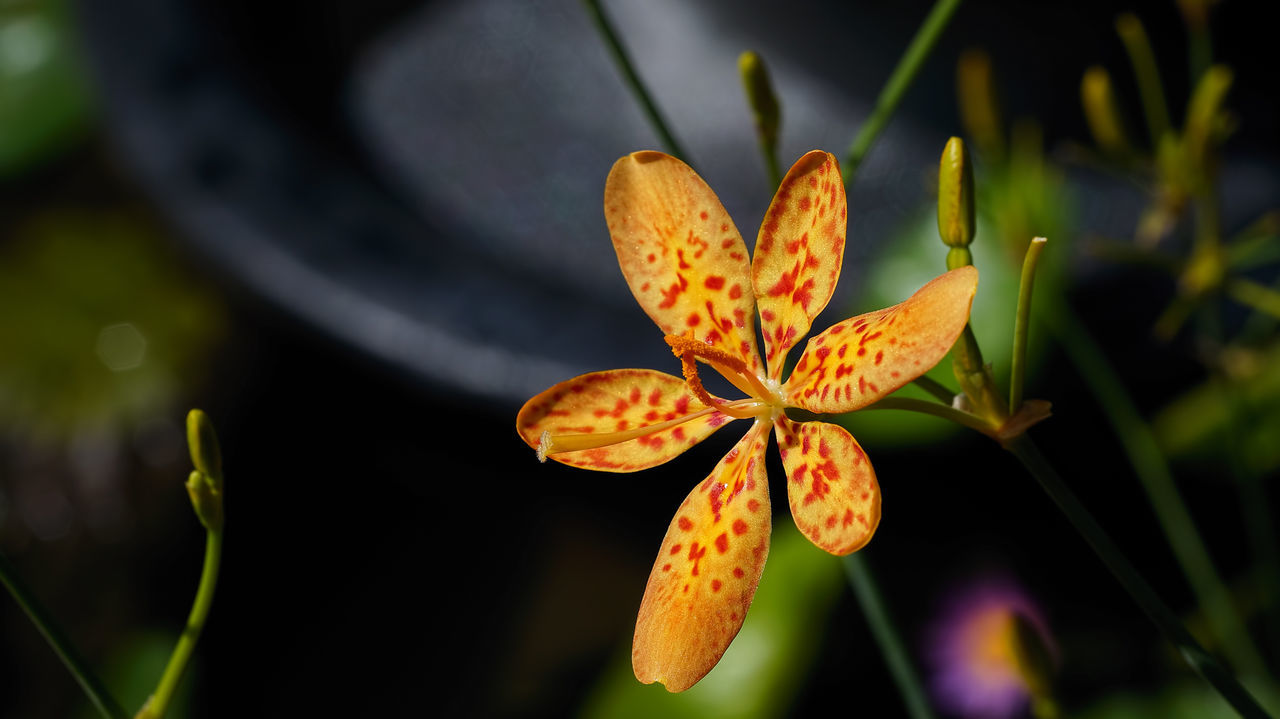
(688, 267)
(989, 651)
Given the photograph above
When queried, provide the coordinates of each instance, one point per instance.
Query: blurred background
(360, 236)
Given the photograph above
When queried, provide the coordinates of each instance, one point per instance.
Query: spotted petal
(619, 404)
(707, 570)
(681, 253)
(798, 253)
(832, 488)
(864, 358)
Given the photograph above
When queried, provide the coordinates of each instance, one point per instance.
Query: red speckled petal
(798, 253)
(830, 483)
(707, 570)
(619, 401)
(864, 358)
(681, 254)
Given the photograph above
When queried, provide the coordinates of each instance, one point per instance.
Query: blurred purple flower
(988, 650)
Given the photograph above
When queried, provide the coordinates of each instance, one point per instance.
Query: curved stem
(158, 704)
(924, 406)
(97, 692)
(1205, 664)
(628, 70)
(896, 86)
(935, 388)
(863, 582)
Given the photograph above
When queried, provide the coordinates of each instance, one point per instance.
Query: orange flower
(688, 267)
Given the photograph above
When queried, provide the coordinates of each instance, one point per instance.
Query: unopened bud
(956, 218)
(206, 499)
(979, 107)
(1206, 121)
(203, 443)
(760, 97)
(1101, 111)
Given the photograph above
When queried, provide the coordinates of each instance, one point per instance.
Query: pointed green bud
(979, 106)
(206, 499)
(1102, 112)
(203, 443)
(956, 223)
(760, 97)
(1207, 123)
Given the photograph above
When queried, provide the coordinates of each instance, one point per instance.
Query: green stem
(106, 705)
(935, 388)
(1205, 664)
(863, 582)
(944, 411)
(1256, 296)
(158, 704)
(770, 154)
(1021, 323)
(623, 60)
(1143, 451)
(896, 86)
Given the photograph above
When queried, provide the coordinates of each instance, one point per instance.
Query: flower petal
(614, 402)
(798, 253)
(834, 496)
(681, 253)
(864, 358)
(707, 570)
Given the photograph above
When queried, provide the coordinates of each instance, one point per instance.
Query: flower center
(764, 395)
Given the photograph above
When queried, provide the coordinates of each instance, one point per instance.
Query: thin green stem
(1022, 322)
(945, 411)
(1145, 456)
(1259, 297)
(1204, 663)
(896, 86)
(158, 704)
(97, 692)
(935, 388)
(770, 154)
(605, 27)
(863, 582)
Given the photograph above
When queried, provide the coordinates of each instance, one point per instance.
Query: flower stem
(1147, 74)
(106, 705)
(945, 411)
(935, 388)
(158, 703)
(1021, 321)
(605, 27)
(863, 582)
(1195, 655)
(1143, 451)
(896, 86)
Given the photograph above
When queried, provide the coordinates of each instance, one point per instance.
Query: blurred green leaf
(45, 102)
(764, 668)
(132, 670)
(1184, 701)
(99, 322)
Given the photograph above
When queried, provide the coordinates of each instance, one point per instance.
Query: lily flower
(688, 267)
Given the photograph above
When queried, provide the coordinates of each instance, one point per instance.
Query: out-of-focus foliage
(764, 668)
(1183, 701)
(44, 95)
(131, 673)
(98, 325)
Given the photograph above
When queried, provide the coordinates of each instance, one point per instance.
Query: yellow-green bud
(760, 97)
(206, 498)
(979, 107)
(1206, 120)
(956, 220)
(203, 443)
(1101, 111)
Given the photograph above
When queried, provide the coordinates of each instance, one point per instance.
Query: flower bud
(760, 97)
(203, 443)
(1101, 111)
(956, 223)
(979, 107)
(206, 499)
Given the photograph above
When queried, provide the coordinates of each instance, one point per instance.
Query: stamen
(732, 368)
(554, 444)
